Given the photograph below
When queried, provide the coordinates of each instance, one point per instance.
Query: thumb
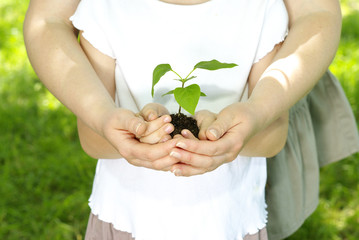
(152, 111)
(132, 123)
(220, 126)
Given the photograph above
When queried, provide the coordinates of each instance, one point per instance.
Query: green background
(46, 179)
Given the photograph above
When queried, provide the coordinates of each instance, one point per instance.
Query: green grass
(46, 179)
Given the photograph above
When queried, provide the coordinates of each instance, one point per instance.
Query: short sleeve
(92, 22)
(274, 28)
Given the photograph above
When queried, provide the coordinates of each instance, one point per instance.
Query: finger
(204, 120)
(192, 159)
(224, 121)
(165, 138)
(153, 110)
(130, 148)
(200, 160)
(194, 164)
(126, 120)
(178, 136)
(205, 147)
(183, 170)
(164, 164)
(159, 134)
(157, 124)
(188, 134)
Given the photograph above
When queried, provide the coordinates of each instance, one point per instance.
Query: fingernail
(175, 155)
(151, 117)
(181, 145)
(167, 119)
(177, 172)
(185, 133)
(168, 129)
(214, 133)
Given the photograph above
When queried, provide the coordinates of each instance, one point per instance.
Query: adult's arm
(311, 44)
(308, 50)
(314, 33)
(242, 116)
(61, 64)
(96, 146)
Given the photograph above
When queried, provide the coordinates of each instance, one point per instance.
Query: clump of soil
(181, 121)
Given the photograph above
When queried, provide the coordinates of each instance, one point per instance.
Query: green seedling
(187, 97)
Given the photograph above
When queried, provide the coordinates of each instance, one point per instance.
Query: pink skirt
(99, 230)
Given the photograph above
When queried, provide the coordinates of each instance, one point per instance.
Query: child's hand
(204, 119)
(188, 168)
(159, 126)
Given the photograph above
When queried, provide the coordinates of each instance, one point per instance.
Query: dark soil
(181, 121)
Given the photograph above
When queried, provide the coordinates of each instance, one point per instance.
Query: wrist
(270, 97)
(96, 114)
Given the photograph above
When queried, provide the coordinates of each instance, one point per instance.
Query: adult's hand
(121, 128)
(238, 130)
(225, 135)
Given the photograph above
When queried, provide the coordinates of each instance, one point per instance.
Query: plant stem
(183, 81)
(179, 109)
(177, 75)
(190, 73)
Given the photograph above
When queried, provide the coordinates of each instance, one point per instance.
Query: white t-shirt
(224, 204)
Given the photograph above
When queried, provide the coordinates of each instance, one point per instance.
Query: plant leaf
(214, 65)
(203, 94)
(168, 93)
(158, 72)
(188, 97)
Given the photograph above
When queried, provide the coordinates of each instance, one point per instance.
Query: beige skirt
(99, 230)
(322, 130)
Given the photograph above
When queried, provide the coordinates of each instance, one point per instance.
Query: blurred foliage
(46, 179)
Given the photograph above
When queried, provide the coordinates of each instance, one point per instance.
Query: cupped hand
(204, 119)
(122, 127)
(159, 125)
(223, 141)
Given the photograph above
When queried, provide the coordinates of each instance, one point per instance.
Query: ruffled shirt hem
(143, 210)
